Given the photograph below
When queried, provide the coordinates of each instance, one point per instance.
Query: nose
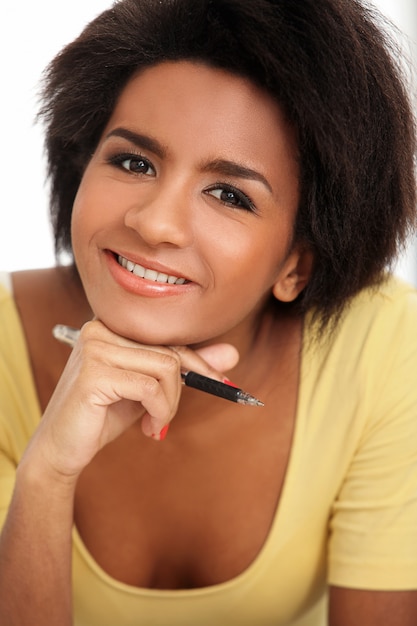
(161, 215)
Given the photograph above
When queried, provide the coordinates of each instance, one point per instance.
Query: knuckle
(170, 363)
(92, 342)
(87, 329)
(90, 330)
(150, 386)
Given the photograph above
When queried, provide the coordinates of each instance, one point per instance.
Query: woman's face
(184, 218)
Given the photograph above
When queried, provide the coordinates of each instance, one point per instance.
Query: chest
(195, 509)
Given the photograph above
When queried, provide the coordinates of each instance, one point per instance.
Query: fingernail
(162, 434)
(229, 382)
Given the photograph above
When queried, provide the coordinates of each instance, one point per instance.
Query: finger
(161, 363)
(220, 356)
(210, 361)
(141, 389)
(100, 388)
(116, 369)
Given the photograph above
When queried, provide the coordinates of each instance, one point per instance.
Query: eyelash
(244, 202)
(118, 159)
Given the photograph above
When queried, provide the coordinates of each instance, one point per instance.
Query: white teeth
(141, 271)
(151, 274)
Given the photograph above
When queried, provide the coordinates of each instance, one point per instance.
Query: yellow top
(348, 511)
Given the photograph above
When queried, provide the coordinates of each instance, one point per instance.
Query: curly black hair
(330, 65)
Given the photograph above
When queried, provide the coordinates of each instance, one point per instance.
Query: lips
(149, 274)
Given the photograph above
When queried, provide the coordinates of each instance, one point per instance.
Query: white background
(31, 33)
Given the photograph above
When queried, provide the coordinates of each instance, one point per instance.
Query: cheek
(92, 211)
(249, 256)
(85, 221)
(81, 202)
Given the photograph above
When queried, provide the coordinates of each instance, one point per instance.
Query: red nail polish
(163, 432)
(229, 382)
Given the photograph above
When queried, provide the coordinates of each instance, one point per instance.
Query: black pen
(69, 335)
(219, 389)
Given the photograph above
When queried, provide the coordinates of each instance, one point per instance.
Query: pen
(69, 335)
(221, 390)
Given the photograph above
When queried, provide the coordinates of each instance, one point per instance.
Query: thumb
(220, 356)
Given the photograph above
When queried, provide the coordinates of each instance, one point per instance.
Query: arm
(108, 384)
(35, 551)
(351, 607)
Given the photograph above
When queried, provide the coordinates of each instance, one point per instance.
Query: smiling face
(184, 218)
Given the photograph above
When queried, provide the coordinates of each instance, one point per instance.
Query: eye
(231, 196)
(134, 163)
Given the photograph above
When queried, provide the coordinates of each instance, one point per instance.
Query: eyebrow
(231, 168)
(223, 167)
(139, 140)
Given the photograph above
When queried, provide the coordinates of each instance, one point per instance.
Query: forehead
(211, 99)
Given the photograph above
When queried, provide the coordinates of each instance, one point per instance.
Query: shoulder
(38, 282)
(384, 318)
(369, 360)
(19, 411)
(9, 319)
(376, 502)
(45, 297)
(390, 298)
(375, 318)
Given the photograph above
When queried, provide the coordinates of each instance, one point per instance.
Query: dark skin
(206, 475)
(63, 302)
(106, 502)
(218, 476)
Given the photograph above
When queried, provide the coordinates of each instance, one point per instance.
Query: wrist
(35, 471)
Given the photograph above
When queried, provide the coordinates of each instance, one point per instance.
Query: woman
(233, 179)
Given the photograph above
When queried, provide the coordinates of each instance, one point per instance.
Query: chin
(144, 333)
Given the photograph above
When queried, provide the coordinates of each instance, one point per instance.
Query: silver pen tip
(248, 400)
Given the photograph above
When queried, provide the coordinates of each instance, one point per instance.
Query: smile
(148, 274)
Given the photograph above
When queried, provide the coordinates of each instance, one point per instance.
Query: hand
(109, 383)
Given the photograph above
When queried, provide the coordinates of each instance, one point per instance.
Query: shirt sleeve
(19, 407)
(373, 528)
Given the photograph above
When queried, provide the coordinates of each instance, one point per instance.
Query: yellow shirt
(348, 511)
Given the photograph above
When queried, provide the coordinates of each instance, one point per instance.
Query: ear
(294, 274)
